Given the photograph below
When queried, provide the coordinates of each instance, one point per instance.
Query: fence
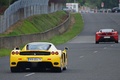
(24, 8)
(11, 42)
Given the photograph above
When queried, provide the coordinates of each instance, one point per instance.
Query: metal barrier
(24, 8)
(13, 41)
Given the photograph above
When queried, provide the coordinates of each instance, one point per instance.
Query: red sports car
(106, 35)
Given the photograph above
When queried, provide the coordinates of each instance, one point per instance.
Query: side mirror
(66, 48)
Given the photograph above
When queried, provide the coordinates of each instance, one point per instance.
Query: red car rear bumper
(106, 38)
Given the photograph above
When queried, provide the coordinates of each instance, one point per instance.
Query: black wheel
(116, 41)
(97, 42)
(57, 69)
(65, 68)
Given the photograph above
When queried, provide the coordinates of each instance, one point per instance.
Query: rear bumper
(102, 39)
(23, 62)
(34, 65)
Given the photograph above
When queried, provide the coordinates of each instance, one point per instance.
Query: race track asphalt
(86, 60)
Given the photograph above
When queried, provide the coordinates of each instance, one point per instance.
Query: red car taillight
(99, 33)
(15, 52)
(115, 33)
(105, 34)
(54, 53)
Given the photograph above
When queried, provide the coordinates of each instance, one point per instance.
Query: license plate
(34, 59)
(106, 36)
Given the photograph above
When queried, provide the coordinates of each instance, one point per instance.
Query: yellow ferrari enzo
(38, 56)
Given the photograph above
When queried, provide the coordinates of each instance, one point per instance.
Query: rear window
(38, 46)
(106, 30)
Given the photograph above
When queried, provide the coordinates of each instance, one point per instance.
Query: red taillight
(105, 34)
(54, 53)
(15, 52)
(115, 33)
(98, 33)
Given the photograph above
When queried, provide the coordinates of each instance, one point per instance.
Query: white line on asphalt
(105, 47)
(81, 56)
(95, 51)
(29, 74)
(111, 45)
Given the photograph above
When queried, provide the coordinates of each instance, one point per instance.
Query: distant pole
(102, 5)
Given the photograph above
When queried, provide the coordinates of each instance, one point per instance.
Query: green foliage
(74, 30)
(97, 3)
(38, 23)
(6, 2)
(4, 52)
(71, 33)
(110, 3)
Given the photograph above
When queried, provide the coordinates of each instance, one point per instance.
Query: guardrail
(11, 42)
(24, 8)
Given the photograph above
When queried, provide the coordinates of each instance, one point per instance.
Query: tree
(97, 3)
(4, 2)
(110, 3)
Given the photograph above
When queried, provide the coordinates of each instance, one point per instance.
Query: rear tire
(116, 41)
(57, 69)
(65, 68)
(14, 69)
(97, 42)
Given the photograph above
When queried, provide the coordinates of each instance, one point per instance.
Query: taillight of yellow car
(15, 52)
(54, 53)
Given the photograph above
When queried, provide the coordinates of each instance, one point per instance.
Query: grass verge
(36, 24)
(74, 30)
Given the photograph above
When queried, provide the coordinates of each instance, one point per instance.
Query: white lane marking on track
(81, 56)
(111, 45)
(95, 51)
(105, 47)
(29, 74)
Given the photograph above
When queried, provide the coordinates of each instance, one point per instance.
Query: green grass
(4, 52)
(37, 24)
(71, 33)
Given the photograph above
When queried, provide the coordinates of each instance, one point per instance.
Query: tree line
(90, 3)
(6, 2)
(97, 3)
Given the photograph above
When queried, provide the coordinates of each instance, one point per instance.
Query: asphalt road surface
(86, 60)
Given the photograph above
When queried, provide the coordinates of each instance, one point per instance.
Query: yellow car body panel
(52, 57)
(19, 58)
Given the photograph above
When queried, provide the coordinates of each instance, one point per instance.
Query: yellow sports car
(38, 56)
